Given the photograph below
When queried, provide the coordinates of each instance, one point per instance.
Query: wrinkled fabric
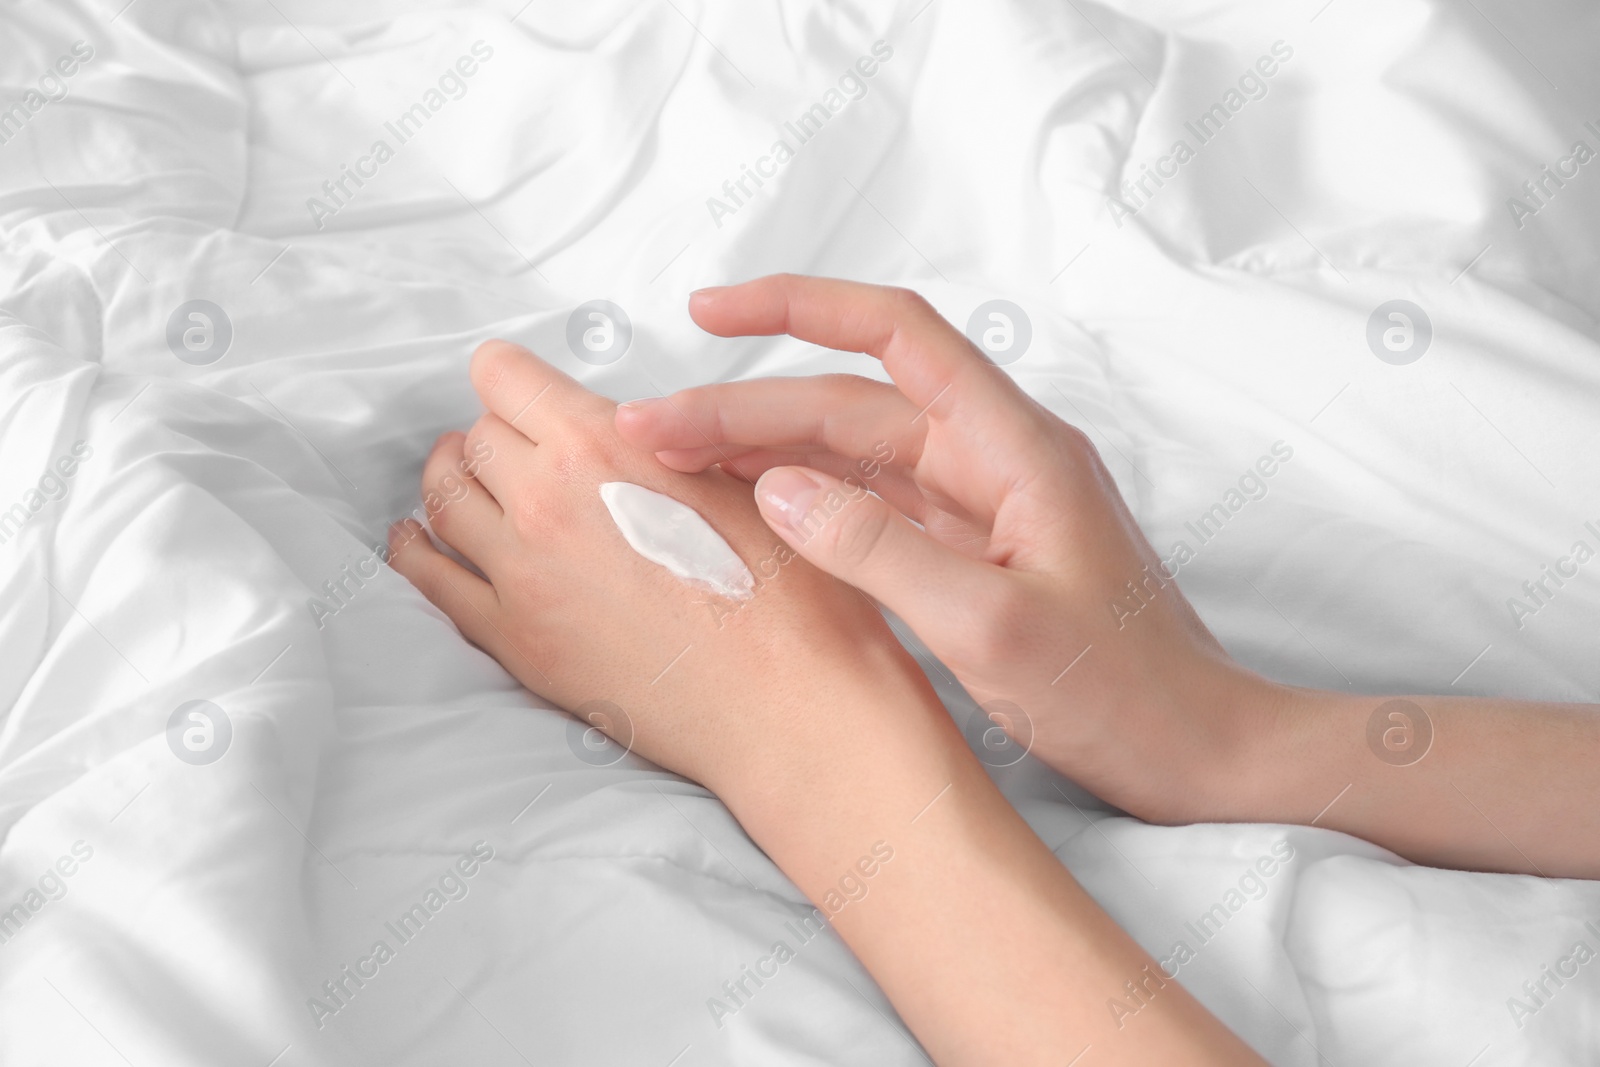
(230, 911)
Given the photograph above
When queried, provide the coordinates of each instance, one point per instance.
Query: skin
(836, 743)
(1027, 544)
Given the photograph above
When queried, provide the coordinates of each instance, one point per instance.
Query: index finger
(922, 352)
(526, 391)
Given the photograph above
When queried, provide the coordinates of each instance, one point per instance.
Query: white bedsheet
(372, 750)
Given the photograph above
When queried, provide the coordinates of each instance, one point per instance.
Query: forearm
(1474, 784)
(985, 944)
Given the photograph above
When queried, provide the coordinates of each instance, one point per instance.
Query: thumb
(842, 528)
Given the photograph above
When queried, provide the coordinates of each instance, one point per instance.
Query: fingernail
(703, 298)
(638, 405)
(788, 494)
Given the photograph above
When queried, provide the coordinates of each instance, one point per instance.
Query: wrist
(851, 764)
(1279, 758)
(1252, 745)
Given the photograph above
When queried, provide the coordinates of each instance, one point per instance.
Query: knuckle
(437, 496)
(859, 532)
(842, 389)
(441, 515)
(489, 363)
(909, 303)
(695, 406)
(1077, 448)
(529, 515)
(449, 484)
(589, 448)
(1078, 441)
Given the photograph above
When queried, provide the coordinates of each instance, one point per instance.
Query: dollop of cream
(672, 534)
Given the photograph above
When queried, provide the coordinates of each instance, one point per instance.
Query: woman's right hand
(799, 709)
(1025, 552)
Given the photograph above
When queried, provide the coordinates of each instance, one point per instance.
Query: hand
(1026, 548)
(799, 709)
(577, 616)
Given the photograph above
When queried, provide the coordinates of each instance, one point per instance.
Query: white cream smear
(673, 534)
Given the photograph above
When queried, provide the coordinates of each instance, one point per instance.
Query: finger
(530, 394)
(459, 509)
(731, 457)
(899, 489)
(468, 601)
(743, 461)
(749, 464)
(943, 519)
(862, 540)
(924, 354)
(494, 453)
(841, 413)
